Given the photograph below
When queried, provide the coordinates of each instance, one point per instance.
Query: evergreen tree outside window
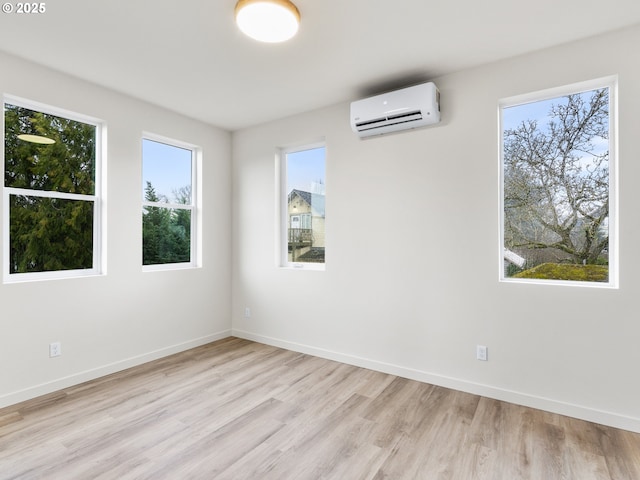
(51, 217)
(168, 213)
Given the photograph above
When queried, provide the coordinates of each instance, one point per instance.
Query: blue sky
(538, 110)
(305, 168)
(513, 116)
(167, 167)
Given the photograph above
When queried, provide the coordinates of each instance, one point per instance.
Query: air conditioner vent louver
(371, 122)
(390, 120)
(410, 107)
(416, 115)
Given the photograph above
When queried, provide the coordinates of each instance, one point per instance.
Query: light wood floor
(240, 410)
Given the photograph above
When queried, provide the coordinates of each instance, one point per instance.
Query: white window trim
(610, 82)
(96, 198)
(194, 207)
(282, 207)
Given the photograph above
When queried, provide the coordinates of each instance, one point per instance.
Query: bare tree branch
(556, 179)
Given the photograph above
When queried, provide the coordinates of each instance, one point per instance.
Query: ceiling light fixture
(36, 139)
(270, 21)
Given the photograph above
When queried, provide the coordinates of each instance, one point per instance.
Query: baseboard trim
(81, 377)
(541, 403)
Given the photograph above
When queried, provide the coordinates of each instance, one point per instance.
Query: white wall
(125, 317)
(415, 296)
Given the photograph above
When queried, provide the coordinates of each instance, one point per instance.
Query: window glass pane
(167, 179)
(49, 234)
(166, 172)
(65, 162)
(306, 206)
(166, 235)
(556, 188)
(50, 170)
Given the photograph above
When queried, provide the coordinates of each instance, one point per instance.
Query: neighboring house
(306, 223)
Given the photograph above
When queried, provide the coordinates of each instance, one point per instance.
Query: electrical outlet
(247, 312)
(55, 349)
(481, 353)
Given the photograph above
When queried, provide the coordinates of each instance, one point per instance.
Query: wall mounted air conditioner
(410, 107)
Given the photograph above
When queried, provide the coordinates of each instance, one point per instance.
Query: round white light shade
(36, 139)
(269, 21)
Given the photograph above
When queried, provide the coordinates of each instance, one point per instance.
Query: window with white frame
(169, 205)
(558, 186)
(51, 193)
(303, 206)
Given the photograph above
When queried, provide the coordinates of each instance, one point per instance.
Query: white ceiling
(189, 56)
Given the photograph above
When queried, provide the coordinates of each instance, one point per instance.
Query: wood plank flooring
(239, 410)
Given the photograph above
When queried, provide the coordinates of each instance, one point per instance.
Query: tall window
(303, 206)
(169, 207)
(558, 196)
(51, 193)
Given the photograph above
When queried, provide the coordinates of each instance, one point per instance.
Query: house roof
(191, 58)
(306, 196)
(314, 200)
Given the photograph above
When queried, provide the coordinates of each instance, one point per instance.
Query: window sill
(314, 267)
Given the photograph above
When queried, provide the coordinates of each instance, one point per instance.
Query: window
(303, 207)
(51, 217)
(169, 211)
(558, 182)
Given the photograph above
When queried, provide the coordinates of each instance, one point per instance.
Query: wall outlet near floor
(481, 353)
(55, 349)
(247, 312)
